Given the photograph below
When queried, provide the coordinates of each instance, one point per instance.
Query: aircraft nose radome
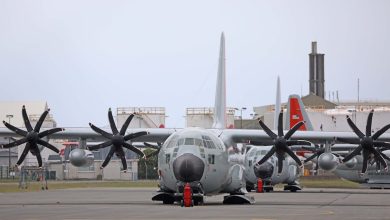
(264, 170)
(188, 168)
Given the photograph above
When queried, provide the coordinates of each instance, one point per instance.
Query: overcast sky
(83, 57)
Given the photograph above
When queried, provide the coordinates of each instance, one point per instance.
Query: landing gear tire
(168, 202)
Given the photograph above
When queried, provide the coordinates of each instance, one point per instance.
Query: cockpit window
(208, 143)
(189, 141)
(172, 142)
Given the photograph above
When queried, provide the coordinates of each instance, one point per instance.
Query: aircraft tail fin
(277, 104)
(220, 95)
(296, 112)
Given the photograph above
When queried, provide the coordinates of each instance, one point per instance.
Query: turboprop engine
(328, 161)
(351, 163)
(81, 157)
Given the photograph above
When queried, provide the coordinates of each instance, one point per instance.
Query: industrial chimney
(316, 71)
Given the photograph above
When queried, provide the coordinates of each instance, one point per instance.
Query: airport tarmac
(135, 203)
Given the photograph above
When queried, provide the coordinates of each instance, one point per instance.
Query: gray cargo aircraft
(268, 172)
(338, 157)
(192, 162)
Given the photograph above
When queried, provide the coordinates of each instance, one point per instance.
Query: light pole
(9, 149)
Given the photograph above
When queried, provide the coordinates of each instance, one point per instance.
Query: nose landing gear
(187, 196)
(190, 194)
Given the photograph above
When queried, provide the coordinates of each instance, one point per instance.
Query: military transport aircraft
(273, 171)
(338, 157)
(192, 162)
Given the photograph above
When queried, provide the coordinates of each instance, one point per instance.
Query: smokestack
(314, 47)
(316, 72)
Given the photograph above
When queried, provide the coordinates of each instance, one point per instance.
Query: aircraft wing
(155, 134)
(316, 137)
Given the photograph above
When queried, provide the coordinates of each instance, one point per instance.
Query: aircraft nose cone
(264, 171)
(188, 168)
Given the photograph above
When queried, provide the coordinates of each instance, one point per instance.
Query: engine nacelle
(80, 157)
(351, 163)
(328, 161)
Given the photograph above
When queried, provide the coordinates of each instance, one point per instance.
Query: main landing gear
(188, 195)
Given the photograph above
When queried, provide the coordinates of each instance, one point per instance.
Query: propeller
(317, 151)
(367, 143)
(374, 160)
(156, 147)
(280, 143)
(32, 137)
(117, 140)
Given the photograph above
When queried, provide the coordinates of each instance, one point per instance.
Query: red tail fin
(296, 112)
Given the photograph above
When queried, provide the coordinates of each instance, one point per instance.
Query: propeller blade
(293, 129)
(124, 163)
(40, 121)
(126, 125)
(293, 156)
(48, 145)
(378, 157)
(365, 160)
(112, 123)
(49, 132)
(15, 143)
(151, 146)
(26, 120)
(385, 156)
(267, 130)
(280, 124)
(354, 153)
(39, 158)
(262, 143)
(348, 140)
(380, 132)
(15, 129)
(100, 131)
(382, 144)
(267, 156)
(280, 162)
(102, 145)
(354, 128)
(108, 158)
(134, 149)
(134, 135)
(311, 157)
(298, 142)
(369, 123)
(24, 154)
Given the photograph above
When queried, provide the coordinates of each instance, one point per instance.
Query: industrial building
(58, 166)
(326, 115)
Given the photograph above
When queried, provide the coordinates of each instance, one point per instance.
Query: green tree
(147, 168)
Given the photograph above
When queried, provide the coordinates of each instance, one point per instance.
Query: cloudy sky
(83, 57)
